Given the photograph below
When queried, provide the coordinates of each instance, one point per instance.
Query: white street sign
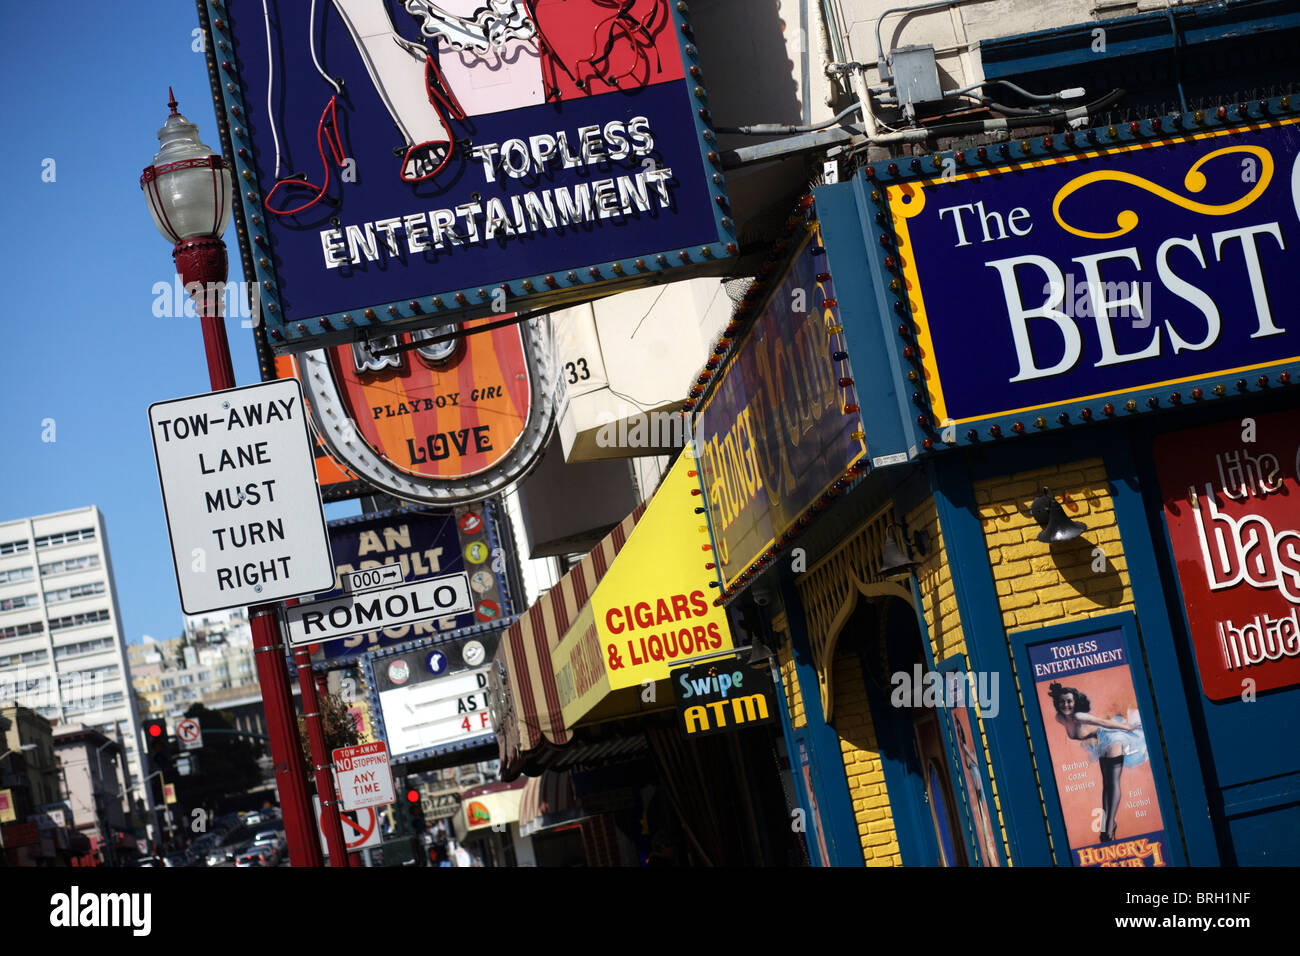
(372, 578)
(189, 733)
(238, 477)
(373, 610)
(363, 776)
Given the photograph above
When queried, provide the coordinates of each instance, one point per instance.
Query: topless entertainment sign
(401, 163)
(1098, 751)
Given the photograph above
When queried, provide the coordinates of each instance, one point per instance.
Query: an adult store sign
(1081, 278)
(1231, 493)
(424, 545)
(402, 163)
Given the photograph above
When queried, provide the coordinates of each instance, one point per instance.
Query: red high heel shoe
(428, 159)
(326, 131)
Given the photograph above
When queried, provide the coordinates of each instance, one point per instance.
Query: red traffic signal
(155, 730)
(412, 796)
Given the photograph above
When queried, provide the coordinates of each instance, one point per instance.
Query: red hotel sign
(1232, 504)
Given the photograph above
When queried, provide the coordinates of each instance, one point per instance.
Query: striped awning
(524, 701)
(548, 801)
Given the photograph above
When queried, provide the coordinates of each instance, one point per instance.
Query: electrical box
(916, 77)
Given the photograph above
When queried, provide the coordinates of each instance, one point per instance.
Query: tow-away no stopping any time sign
(364, 776)
(243, 509)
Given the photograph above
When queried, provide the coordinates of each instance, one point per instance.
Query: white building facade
(62, 651)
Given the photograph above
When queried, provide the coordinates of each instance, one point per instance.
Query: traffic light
(156, 740)
(415, 810)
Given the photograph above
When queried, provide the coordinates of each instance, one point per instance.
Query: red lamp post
(188, 190)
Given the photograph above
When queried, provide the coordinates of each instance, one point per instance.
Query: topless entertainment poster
(969, 753)
(1098, 751)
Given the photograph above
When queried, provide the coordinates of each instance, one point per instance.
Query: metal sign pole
(202, 261)
(320, 758)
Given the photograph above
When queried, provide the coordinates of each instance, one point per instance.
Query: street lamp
(18, 749)
(188, 190)
(101, 802)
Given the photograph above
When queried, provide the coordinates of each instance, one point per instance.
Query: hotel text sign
(1089, 277)
(1230, 493)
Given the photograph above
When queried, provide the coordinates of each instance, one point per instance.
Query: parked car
(259, 856)
(228, 853)
(269, 838)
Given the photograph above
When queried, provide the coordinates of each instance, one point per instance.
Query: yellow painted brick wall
(862, 766)
(1038, 585)
(790, 682)
(934, 579)
(943, 621)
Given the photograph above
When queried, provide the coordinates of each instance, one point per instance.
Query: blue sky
(85, 85)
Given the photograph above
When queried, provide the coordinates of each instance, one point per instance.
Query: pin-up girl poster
(1098, 750)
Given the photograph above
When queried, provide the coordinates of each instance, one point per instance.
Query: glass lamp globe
(188, 186)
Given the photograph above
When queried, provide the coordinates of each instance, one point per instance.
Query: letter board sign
(239, 489)
(1234, 524)
(720, 696)
(1051, 282)
(432, 699)
(402, 166)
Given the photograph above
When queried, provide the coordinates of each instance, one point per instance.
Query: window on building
(78, 620)
(21, 601)
(83, 647)
(65, 537)
(14, 547)
(19, 630)
(31, 657)
(67, 566)
(16, 574)
(72, 593)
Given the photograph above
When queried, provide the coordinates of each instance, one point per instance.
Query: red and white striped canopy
(525, 701)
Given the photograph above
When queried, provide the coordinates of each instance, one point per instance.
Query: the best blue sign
(1081, 283)
(405, 163)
